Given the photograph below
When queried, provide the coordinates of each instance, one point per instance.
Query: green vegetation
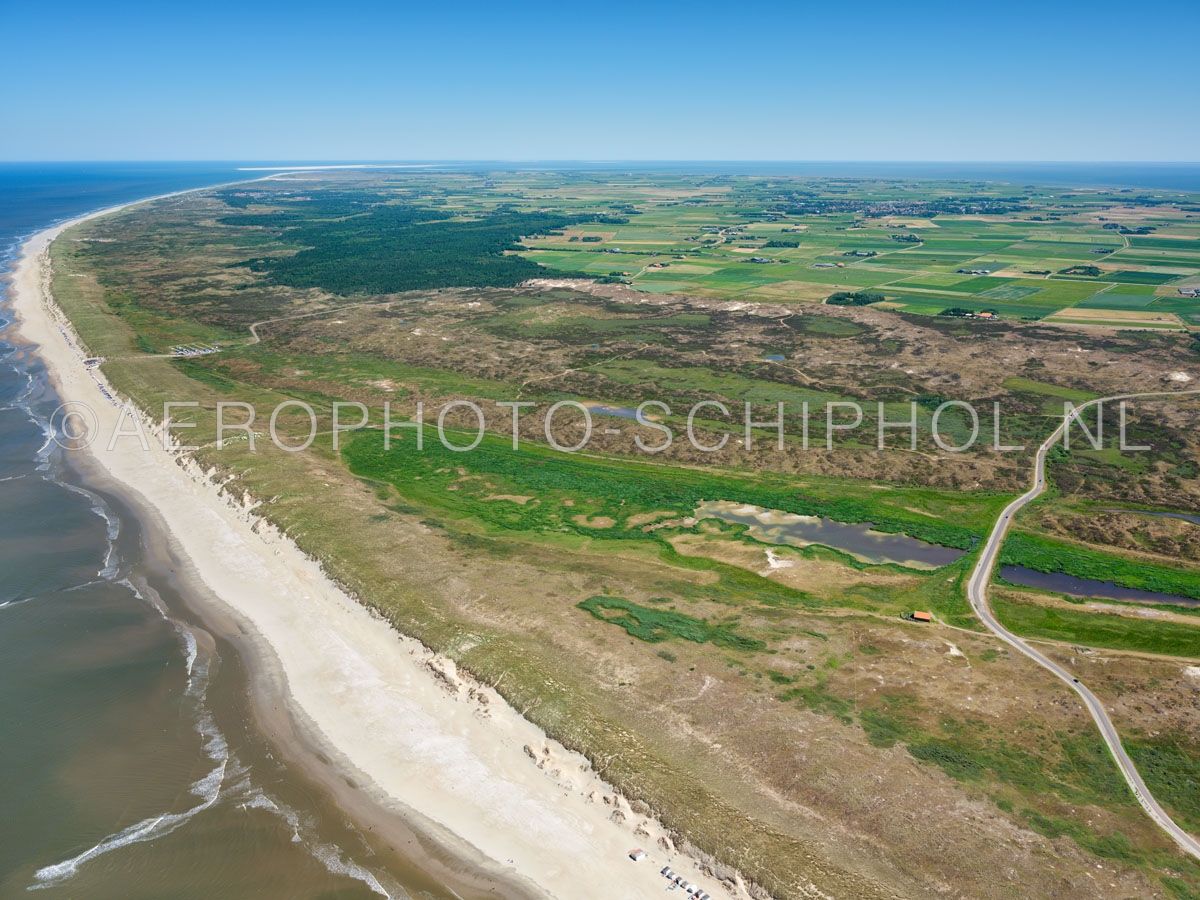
(1073, 769)
(826, 236)
(603, 493)
(1115, 846)
(509, 540)
(817, 698)
(853, 298)
(654, 625)
(528, 324)
(1171, 767)
(964, 312)
(1095, 629)
(1046, 554)
(402, 248)
(1019, 384)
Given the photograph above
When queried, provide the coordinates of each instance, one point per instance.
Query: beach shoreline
(401, 739)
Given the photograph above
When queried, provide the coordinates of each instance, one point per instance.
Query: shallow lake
(859, 540)
(621, 412)
(1087, 587)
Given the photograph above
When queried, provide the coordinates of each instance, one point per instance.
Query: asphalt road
(977, 592)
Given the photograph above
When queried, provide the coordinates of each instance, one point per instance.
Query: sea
(131, 765)
(130, 762)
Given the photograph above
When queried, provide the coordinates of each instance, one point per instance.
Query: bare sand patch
(784, 564)
(396, 719)
(519, 499)
(641, 519)
(1138, 314)
(1116, 318)
(910, 222)
(594, 521)
(691, 269)
(795, 290)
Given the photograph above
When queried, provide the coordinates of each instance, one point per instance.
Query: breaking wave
(226, 779)
(207, 789)
(329, 855)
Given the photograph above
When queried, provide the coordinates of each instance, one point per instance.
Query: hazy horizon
(284, 162)
(158, 175)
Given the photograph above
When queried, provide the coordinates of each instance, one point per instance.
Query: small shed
(922, 616)
(637, 854)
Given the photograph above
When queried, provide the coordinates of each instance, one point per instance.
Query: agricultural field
(1028, 256)
(727, 633)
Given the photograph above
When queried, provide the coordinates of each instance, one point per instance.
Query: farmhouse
(960, 312)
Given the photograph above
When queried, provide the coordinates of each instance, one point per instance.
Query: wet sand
(424, 759)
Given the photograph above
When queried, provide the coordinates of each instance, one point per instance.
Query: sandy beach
(394, 725)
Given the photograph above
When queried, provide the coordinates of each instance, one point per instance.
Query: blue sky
(899, 80)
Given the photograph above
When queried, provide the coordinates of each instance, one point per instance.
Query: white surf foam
(331, 858)
(197, 675)
(329, 855)
(112, 529)
(208, 790)
(190, 648)
(42, 455)
(153, 601)
(21, 400)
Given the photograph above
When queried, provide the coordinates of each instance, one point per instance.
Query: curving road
(977, 593)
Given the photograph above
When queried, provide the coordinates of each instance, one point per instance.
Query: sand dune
(448, 754)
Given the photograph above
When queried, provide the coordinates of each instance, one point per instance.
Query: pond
(621, 412)
(1061, 583)
(858, 540)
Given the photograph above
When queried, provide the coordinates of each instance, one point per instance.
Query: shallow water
(859, 540)
(620, 412)
(132, 766)
(1088, 587)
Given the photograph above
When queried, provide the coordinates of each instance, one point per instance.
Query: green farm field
(719, 667)
(708, 255)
